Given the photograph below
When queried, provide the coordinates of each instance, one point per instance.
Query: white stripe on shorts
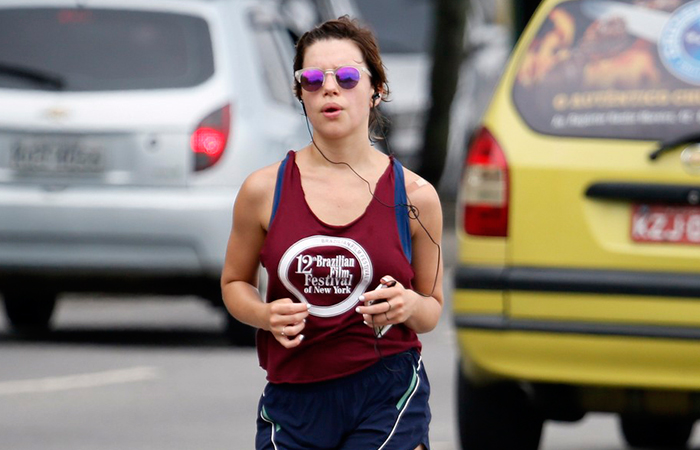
(398, 419)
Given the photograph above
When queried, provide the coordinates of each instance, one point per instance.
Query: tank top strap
(401, 209)
(280, 183)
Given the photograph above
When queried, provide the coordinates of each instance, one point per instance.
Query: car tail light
(209, 140)
(484, 195)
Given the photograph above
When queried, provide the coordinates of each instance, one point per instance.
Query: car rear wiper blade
(38, 76)
(670, 144)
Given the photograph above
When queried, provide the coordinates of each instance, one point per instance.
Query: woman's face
(333, 111)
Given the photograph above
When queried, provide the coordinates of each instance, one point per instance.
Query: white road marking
(81, 381)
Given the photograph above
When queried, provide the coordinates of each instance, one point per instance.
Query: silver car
(126, 129)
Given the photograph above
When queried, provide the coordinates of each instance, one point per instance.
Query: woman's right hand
(286, 321)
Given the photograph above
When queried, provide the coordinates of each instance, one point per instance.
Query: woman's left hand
(392, 304)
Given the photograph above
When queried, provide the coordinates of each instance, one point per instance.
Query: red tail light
(209, 140)
(485, 186)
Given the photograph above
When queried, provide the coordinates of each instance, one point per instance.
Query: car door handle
(645, 193)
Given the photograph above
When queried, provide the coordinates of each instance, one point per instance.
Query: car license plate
(666, 224)
(56, 155)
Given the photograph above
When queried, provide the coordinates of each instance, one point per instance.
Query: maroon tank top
(329, 267)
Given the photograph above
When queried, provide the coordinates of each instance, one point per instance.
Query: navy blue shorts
(382, 407)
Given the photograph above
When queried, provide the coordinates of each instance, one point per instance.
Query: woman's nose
(330, 83)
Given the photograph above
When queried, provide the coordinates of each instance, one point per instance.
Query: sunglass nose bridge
(313, 79)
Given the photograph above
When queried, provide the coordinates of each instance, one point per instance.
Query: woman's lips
(331, 110)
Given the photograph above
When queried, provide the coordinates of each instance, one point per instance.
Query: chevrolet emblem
(56, 113)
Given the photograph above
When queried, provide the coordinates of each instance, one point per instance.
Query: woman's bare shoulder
(263, 178)
(424, 197)
(259, 187)
(419, 190)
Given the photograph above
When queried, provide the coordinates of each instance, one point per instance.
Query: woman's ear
(376, 98)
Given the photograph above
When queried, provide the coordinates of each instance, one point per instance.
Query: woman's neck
(353, 150)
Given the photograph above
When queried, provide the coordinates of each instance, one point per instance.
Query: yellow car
(578, 280)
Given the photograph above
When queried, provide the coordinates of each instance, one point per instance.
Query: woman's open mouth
(331, 110)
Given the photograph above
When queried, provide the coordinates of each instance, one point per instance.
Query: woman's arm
(427, 256)
(239, 279)
(420, 308)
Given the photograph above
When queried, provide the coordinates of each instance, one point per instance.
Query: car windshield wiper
(670, 144)
(38, 76)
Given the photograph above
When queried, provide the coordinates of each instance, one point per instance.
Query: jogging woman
(350, 242)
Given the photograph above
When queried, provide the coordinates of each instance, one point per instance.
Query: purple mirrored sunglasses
(311, 79)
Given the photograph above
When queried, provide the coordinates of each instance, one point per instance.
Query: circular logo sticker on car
(329, 273)
(690, 157)
(679, 46)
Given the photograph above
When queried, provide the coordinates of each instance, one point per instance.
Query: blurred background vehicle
(405, 30)
(126, 129)
(302, 15)
(578, 273)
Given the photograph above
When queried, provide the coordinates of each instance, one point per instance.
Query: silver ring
(282, 332)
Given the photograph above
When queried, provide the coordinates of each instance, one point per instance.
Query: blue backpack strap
(401, 210)
(278, 187)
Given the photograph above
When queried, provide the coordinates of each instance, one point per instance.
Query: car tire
(29, 312)
(239, 334)
(496, 417)
(656, 432)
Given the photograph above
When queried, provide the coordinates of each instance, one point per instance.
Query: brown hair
(350, 29)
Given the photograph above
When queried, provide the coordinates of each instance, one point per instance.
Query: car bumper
(103, 231)
(579, 327)
(579, 359)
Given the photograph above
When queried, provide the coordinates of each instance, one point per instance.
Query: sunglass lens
(312, 80)
(347, 77)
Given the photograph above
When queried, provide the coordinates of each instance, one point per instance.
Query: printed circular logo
(679, 45)
(329, 273)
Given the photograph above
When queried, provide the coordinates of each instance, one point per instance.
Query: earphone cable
(413, 211)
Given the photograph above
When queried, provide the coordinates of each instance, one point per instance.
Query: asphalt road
(155, 374)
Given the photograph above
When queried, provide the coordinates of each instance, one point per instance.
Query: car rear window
(389, 19)
(89, 49)
(613, 69)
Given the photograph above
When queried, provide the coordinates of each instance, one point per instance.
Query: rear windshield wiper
(670, 144)
(48, 79)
